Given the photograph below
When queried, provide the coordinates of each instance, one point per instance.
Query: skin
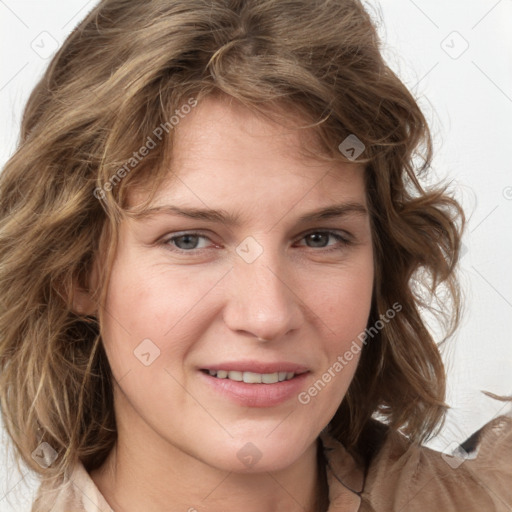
(178, 439)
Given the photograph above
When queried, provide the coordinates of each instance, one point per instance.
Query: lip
(256, 395)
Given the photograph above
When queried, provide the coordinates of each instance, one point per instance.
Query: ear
(82, 302)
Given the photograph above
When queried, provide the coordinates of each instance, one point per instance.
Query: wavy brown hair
(120, 75)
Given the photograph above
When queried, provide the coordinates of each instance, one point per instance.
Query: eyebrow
(222, 216)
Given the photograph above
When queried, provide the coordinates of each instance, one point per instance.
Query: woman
(215, 250)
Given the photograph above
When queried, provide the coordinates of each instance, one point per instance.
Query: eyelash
(345, 241)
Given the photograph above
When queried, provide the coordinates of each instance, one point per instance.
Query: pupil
(190, 241)
(318, 239)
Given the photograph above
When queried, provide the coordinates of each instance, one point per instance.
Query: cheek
(343, 299)
(343, 303)
(346, 304)
(346, 311)
(154, 302)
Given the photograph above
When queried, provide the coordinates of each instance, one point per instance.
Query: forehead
(223, 152)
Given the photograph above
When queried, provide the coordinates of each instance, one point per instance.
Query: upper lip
(257, 367)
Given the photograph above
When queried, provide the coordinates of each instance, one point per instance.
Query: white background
(467, 98)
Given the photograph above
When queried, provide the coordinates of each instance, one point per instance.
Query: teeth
(270, 378)
(234, 375)
(252, 377)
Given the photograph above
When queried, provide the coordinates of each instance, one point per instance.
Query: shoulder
(407, 476)
(77, 492)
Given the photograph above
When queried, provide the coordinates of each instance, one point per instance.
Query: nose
(263, 301)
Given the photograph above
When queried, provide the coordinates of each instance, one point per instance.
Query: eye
(191, 242)
(321, 239)
(187, 241)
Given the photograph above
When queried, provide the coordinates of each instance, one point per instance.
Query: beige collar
(344, 476)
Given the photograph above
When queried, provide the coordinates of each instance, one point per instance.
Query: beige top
(401, 477)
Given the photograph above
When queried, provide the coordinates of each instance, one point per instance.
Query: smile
(252, 377)
(253, 389)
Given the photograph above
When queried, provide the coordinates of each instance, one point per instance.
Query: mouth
(252, 377)
(273, 385)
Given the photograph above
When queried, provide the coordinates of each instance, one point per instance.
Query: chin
(258, 453)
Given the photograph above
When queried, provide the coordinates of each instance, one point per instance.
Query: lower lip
(257, 395)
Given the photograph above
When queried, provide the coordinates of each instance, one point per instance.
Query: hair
(114, 85)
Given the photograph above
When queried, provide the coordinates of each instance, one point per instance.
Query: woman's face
(248, 240)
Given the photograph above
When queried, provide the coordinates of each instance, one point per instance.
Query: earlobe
(82, 301)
